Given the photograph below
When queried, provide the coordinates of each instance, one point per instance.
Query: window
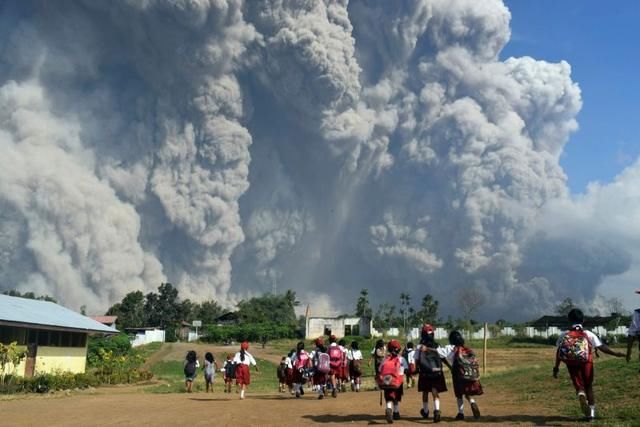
(78, 339)
(66, 339)
(33, 336)
(355, 330)
(9, 334)
(43, 338)
(347, 330)
(327, 330)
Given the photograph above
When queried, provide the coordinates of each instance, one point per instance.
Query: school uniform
(395, 396)
(319, 378)
(289, 371)
(337, 371)
(243, 376)
(581, 373)
(353, 356)
(209, 370)
(461, 387)
(344, 369)
(634, 326)
(425, 383)
(299, 362)
(227, 380)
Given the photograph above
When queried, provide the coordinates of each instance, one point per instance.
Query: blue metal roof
(46, 314)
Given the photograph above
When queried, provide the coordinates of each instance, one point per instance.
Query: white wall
(146, 337)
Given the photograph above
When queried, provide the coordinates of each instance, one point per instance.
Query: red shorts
(336, 371)
(242, 374)
(581, 375)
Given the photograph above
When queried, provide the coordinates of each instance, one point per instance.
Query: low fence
(508, 331)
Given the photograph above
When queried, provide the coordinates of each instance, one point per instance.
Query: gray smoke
(324, 146)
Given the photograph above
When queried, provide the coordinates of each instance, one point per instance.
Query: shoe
(388, 414)
(334, 393)
(320, 396)
(301, 391)
(424, 414)
(475, 410)
(590, 419)
(297, 395)
(436, 416)
(396, 415)
(583, 404)
(353, 387)
(459, 417)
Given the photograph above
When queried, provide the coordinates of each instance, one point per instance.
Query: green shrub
(119, 345)
(254, 332)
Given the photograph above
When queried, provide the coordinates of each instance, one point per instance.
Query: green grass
(172, 376)
(615, 387)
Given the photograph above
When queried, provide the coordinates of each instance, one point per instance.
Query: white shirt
(248, 359)
(411, 356)
(594, 341)
(288, 362)
(354, 355)
(634, 327)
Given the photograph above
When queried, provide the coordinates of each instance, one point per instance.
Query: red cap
(319, 341)
(244, 345)
(332, 338)
(427, 329)
(394, 345)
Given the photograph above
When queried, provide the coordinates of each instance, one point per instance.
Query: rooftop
(43, 314)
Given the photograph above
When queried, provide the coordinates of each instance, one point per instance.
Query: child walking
(354, 355)
(409, 355)
(281, 373)
(335, 361)
(465, 373)
(191, 366)
(210, 368)
(228, 372)
(321, 364)
(244, 359)
(390, 379)
(431, 376)
(300, 361)
(377, 355)
(575, 348)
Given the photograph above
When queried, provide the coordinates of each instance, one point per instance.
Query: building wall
(316, 326)
(65, 359)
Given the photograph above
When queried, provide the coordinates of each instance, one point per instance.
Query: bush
(118, 345)
(254, 332)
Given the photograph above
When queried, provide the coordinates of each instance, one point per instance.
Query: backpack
(335, 356)
(357, 367)
(230, 370)
(574, 349)
(379, 354)
(301, 360)
(190, 369)
(430, 365)
(466, 364)
(323, 363)
(391, 375)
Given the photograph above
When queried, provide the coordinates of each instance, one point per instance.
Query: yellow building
(54, 337)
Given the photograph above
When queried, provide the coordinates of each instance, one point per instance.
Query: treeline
(264, 317)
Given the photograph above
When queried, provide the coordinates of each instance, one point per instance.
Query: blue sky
(601, 42)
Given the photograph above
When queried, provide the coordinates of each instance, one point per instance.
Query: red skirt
(242, 374)
(466, 388)
(581, 375)
(290, 375)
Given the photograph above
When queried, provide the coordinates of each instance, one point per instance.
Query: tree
(384, 317)
(269, 308)
(29, 295)
(428, 312)
(470, 299)
(363, 309)
(405, 299)
(208, 312)
(130, 311)
(164, 308)
(565, 307)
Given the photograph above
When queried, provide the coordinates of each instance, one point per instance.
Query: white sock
(320, 390)
(472, 401)
(436, 404)
(390, 405)
(460, 405)
(592, 410)
(396, 407)
(241, 394)
(425, 407)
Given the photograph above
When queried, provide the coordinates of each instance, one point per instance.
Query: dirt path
(120, 407)
(177, 351)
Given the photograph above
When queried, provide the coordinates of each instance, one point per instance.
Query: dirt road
(126, 406)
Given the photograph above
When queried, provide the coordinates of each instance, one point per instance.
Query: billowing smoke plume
(325, 146)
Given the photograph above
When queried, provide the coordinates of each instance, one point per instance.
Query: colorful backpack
(323, 363)
(301, 360)
(391, 375)
(466, 364)
(574, 348)
(335, 356)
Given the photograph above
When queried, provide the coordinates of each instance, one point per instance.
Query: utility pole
(274, 286)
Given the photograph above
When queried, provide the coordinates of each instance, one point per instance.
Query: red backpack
(391, 375)
(466, 364)
(335, 356)
(574, 349)
(302, 360)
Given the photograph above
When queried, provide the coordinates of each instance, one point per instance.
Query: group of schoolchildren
(330, 368)
(234, 368)
(327, 368)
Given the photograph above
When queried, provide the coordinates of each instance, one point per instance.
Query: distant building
(229, 318)
(54, 337)
(338, 326)
(146, 335)
(109, 321)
